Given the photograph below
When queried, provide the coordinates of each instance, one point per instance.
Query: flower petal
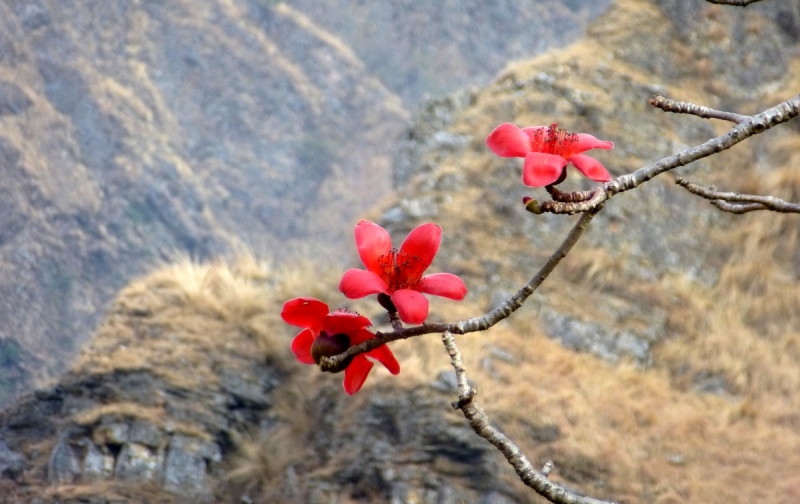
(412, 306)
(590, 167)
(444, 284)
(305, 312)
(301, 346)
(385, 356)
(356, 283)
(508, 140)
(360, 336)
(356, 374)
(423, 242)
(587, 141)
(542, 169)
(372, 242)
(344, 322)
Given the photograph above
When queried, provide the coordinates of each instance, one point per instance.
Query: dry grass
(130, 411)
(110, 491)
(260, 464)
(188, 315)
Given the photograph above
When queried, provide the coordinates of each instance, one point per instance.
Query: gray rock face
(601, 341)
(96, 464)
(138, 463)
(63, 466)
(11, 462)
(412, 450)
(185, 467)
(13, 100)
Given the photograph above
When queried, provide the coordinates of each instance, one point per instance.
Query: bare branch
(479, 422)
(739, 203)
(735, 3)
(568, 197)
(752, 125)
(682, 107)
(394, 319)
(508, 307)
(737, 208)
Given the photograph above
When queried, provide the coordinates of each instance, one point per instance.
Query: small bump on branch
(569, 197)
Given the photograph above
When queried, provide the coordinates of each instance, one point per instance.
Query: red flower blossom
(547, 151)
(330, 333)
(398, 273)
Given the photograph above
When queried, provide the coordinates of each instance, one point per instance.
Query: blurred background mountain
(660, 363)
(132, 130)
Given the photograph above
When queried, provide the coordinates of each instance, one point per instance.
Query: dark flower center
(401, 270)
(328, 346)
(554, 141)
(385, 300)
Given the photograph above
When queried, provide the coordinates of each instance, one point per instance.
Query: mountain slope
(129, 130)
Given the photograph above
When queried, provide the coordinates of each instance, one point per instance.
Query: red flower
(398, 273)
(328, 334)
(547, 151)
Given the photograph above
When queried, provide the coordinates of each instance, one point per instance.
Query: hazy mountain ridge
(134, 129)
(130, 130)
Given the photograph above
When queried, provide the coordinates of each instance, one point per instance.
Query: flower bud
(328, 346)
(531, 205)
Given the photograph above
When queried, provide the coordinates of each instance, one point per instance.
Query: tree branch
(508, 307)
(735, 3)
(479, 422)
(568, 197)
(682, 107)
(752, 125)
(739, 203)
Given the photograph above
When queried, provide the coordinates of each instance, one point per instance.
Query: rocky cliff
(658, 364)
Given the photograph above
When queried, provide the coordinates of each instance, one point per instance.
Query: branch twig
(394, 319)
(508, 307)
(479, 422)
(735, 3)
(682, 107)
(752, 125)
(739, 203)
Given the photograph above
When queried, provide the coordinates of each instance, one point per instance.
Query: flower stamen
(401, 270)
